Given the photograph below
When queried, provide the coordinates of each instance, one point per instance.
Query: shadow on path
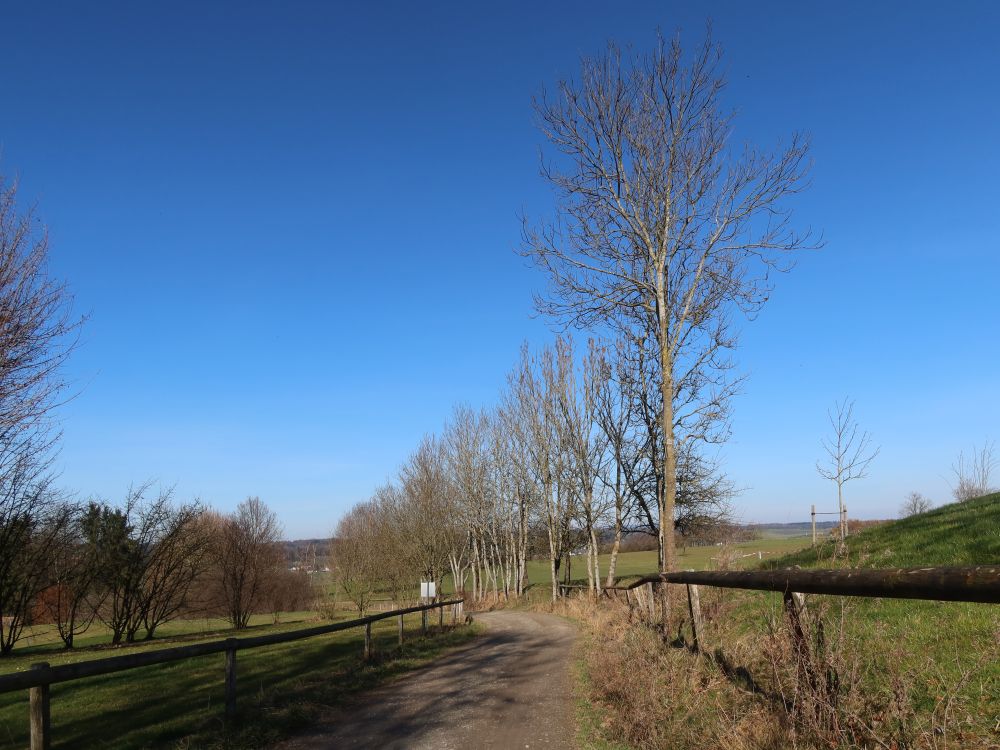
(509, 688)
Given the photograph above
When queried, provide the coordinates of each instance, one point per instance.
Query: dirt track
(509, 688)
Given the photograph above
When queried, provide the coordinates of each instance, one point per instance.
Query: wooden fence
(38, 679)
(955, 584)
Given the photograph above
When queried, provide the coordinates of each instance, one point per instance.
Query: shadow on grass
(279, 689)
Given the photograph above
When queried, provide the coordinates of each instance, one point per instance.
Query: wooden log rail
(38, 679)
(979, 583)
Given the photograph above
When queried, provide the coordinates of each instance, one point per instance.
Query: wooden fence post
(441, 618)
(694, 606)
(652, 603)
(793, 604)
(423, 621)
(38, 712)
(814, 523)
(401, 630)
(368, 641)
(230, 678)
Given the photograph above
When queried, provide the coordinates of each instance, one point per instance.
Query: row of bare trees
(664, 232)
(565, 464)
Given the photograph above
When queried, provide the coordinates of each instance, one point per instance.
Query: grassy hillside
(958, 534)
(906, 673)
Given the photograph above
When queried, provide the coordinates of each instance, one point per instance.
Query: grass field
(633, 565)
(280, 688)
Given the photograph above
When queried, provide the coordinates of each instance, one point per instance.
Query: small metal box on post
(428, 591)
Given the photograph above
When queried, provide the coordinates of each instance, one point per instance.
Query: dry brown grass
(763, 691)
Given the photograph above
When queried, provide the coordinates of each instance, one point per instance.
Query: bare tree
(849, 453)
(467, 438)
(974, 476)
(915, 504)
(71, 600)
(246, 558)
(586, 447)
(149, 553)
(356, 555)
(37, 334)
(393, 541)
(664, 230)
(37, 330)
(32, 526)
(426, 522)
(536, 386)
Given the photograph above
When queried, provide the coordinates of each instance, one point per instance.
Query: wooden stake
(805, 668)
(694, 607)
(400, 630)
(38, 713)
(368, 641)
(230, 678)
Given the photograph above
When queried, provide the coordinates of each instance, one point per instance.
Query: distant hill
(958, 534)
(311, 554)
(786, 530)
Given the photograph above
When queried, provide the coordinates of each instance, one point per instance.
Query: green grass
(42, 641)
(939, 653)
(934, 643)
(637, 564)
(280, 688)
(957, 534)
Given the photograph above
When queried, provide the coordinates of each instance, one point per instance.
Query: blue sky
(293, 227)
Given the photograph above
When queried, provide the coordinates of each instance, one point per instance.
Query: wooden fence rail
(38, 679)
(978, 584)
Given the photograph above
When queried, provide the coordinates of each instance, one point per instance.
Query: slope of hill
(957, 534)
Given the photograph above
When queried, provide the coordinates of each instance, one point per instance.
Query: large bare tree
(37, 334)
(664, 228)
(246, 559)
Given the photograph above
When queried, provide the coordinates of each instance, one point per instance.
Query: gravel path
(508, 688)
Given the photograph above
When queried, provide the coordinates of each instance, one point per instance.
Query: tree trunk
(669, 556)
(613, 563)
